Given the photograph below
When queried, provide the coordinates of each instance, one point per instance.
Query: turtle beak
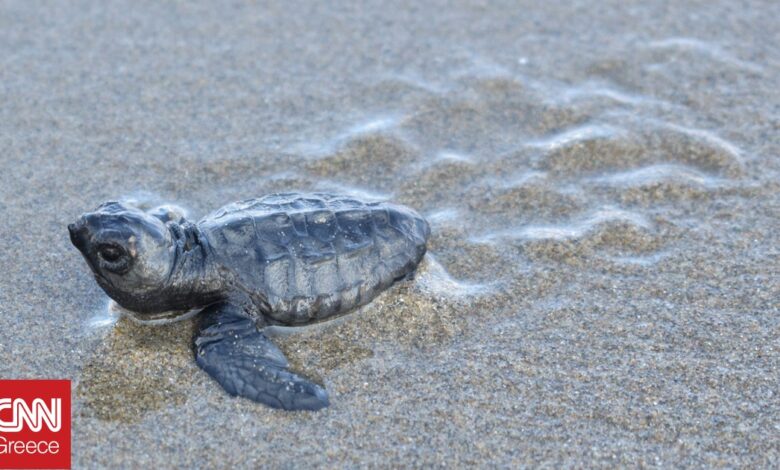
(78, 233)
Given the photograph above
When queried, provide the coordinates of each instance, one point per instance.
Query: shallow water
(601, 179)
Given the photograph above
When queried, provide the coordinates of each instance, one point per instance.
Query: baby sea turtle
(282, 259)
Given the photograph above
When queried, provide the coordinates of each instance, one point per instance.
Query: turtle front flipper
(229, 346)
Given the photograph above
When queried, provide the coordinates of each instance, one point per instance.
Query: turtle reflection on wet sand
(282, 259)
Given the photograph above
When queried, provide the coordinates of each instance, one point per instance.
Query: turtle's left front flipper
(229, 346)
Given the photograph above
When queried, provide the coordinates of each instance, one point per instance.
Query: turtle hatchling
(282, 259)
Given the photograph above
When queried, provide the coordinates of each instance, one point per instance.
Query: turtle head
(131, 253)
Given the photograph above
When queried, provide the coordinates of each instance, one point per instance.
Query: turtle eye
(114, 258)
(110, 253)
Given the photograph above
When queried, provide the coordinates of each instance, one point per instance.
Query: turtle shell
(312, 256)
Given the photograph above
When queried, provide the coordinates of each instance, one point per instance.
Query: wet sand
(602, 182)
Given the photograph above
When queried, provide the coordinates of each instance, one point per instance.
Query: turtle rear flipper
(229, 346)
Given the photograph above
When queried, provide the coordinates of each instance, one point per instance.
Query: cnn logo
(35, 417)
(35, 424)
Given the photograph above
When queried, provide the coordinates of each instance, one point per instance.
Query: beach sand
(602, 181)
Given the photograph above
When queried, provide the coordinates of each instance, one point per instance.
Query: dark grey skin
(283, 259)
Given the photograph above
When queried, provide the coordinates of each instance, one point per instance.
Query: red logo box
(34, 424)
